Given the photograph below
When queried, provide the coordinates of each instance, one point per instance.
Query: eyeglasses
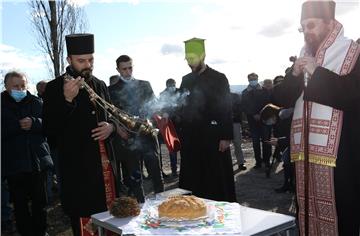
(309, 26)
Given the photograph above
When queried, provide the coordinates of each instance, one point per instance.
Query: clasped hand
(25, 123)
(304, 64)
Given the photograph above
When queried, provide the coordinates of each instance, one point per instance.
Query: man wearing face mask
(135, 97)
(25, 154)
(206, 129)
(254, 98)
(168, 100)
(81, 130)
(330, 65)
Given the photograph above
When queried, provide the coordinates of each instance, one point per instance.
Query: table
(254, 222)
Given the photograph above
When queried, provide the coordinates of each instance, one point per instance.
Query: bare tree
(51, 21)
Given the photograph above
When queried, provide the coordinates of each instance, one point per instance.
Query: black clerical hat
(78, 44)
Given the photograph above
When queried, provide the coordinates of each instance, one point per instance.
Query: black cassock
(69, 125)
(206, 118)
(343, 93)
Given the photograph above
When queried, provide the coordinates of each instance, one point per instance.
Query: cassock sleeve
(56, 110)
(328, 88)
(286, 93)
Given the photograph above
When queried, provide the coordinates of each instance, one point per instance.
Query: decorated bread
(124, 207)
(182, 207)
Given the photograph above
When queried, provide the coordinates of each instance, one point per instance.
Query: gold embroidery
(316, 159)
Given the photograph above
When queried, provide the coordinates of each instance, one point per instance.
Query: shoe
(267, 171)
(242, 167)
(257, 167)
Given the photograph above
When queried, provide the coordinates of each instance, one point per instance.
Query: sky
(241, 36)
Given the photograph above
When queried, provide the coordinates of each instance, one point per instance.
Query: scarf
(337, 54)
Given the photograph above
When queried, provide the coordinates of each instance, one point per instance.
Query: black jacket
(22, 151)
(134, 97)
(254, 99)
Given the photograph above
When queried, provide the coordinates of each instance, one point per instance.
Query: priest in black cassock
(206, 129)
(80, 131)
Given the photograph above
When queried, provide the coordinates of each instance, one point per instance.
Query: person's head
(16, 85)
(268, 84)
(317, 21)
(278, 79)
(170, 83)
(253, 79)
(40, 87)
(80, 49)
(195, 54)
(124, 66)
(113, 79)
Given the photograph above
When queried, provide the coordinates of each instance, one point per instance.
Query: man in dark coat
(206, 129)
(168, 100)
(134, 97)
(332, 65)
(80, 131)
(254, 98)
(25, 154)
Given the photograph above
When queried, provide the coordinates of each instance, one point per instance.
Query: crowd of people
(69, 138)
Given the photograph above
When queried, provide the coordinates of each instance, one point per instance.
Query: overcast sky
(241, 36)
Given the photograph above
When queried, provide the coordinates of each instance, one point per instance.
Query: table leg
(100, 231)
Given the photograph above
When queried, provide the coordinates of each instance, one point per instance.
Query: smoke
(166, 102)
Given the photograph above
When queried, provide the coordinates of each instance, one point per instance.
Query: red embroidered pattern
(322, 208)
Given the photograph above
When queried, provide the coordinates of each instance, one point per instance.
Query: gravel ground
(253, 189)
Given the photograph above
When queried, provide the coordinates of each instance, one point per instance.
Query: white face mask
(172, 89)
(127, 79)
(253, 83)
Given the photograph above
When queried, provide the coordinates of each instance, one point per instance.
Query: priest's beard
(196, 69)
(314, 41)
(86, 73)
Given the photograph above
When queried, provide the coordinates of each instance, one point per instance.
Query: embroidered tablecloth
(223, 218)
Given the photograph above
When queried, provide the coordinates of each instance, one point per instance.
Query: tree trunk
(54, 37)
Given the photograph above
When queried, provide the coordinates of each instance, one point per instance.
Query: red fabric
(86, 225)
(168, 133)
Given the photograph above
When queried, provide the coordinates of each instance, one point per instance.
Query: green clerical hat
(195, 46)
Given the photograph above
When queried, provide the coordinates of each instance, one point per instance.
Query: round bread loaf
(182, 207)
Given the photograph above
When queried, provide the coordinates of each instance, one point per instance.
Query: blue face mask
(253, 83)
(18, 95)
